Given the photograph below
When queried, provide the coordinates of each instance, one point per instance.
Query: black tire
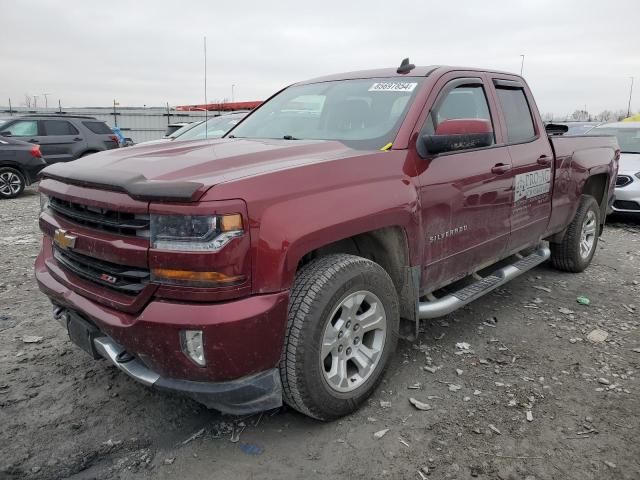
(567, 255)
(12, 182)
(319, 288)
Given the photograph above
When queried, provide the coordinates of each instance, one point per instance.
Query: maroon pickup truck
(277, 264)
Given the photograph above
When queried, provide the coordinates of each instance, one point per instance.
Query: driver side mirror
(6, 133)
(458, 134)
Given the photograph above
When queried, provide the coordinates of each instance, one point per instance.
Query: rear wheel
(579, 244)
(12, 182)
(342, 330)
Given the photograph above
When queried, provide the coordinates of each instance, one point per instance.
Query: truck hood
(629, 163)
(184, 171)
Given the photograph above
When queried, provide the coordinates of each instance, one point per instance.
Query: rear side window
(59, 127)
(98, 127)
(22, 128)
(517, 114)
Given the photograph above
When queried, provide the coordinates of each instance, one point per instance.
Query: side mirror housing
(459, 134)
(556, 129)
(6, 133)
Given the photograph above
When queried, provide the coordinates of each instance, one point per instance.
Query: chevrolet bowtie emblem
(64, 240)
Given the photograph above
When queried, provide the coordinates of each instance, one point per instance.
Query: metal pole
(233, 86)
(115, 118)
(630, 93)
(59, 107)
(46, 100)
(168, 114)
(10, 109)
(522, 65)
(205, 87)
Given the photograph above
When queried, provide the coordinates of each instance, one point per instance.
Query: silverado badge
(64, 240)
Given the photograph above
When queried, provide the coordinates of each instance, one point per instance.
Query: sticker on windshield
(393, 87)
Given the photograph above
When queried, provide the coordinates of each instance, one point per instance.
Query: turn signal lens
(195, 279)
(231, 223)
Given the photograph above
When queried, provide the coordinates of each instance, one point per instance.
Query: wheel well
(596, 186)
(389, 248)
(17, 167)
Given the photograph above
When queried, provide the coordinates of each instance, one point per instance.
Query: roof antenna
(405, 66)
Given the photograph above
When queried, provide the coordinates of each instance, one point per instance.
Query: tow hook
(60, 315)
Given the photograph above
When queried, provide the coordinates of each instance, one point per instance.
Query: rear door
(61, 141)
(532, 160)
(465, 195)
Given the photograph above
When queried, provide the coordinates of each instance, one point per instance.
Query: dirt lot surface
(515, 387)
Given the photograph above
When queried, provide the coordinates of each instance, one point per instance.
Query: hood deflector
(136, 185)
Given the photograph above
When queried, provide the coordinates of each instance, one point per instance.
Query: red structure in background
(224, 107)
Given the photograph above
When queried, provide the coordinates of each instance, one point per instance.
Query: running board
(449, 303)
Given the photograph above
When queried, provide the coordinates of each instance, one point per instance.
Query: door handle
(544, 160)
(500, 168)
(77, 139)
(33, 140)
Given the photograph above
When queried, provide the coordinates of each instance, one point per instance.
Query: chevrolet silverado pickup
(276, 264)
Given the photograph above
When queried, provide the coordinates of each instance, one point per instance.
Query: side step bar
(453, 301)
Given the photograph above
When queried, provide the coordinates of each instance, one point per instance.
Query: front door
(465, 194)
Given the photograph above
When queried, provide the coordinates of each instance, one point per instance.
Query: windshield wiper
(289, 137)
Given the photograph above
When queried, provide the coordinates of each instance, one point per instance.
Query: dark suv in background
(62, 137)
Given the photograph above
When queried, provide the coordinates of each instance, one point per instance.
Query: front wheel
(342, 330)
(579, 244)
(12, 182)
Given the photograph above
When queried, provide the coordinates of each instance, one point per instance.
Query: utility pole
(233, 86)
(522, 65)
(205, 87)
(115, 118)
(46, 100)
(10, 109)
(630, 93)
(59, 106)
(35, 102)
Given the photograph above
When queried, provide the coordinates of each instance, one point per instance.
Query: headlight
(44, 202)
(194, 232)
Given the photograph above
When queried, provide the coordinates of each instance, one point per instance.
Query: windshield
(362, 113)
(215, 127)
(628, 138)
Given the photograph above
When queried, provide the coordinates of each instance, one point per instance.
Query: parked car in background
(172, 127)
(215, 127)
(627, 191)
(62, 137)
(578, 128)
(20, 163)
(276, 263)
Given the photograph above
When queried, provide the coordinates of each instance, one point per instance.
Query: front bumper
(242, 396)
(627, 198)
(242, 342)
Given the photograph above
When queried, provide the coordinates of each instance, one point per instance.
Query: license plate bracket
(82, 333)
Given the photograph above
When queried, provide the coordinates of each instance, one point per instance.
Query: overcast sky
(87, 53)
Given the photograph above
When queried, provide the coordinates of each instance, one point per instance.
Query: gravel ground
(516, 390)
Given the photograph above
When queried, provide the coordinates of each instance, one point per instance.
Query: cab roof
(418, 71)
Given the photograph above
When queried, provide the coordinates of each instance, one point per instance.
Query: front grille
(113, 221)
(623, 180)
(626, 205)
(124, 279)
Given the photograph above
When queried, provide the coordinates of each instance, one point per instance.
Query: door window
(517, 114)
(59, 127)
(22, 128)
(459, 120)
